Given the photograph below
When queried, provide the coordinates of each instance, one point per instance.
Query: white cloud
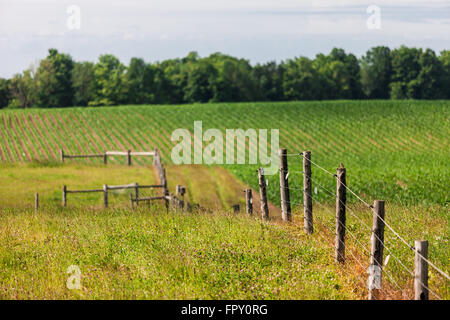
(250, 27)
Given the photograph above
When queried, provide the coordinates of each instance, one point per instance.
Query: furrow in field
(163, 145)
(28, 138)
(84, 138)
(18, 140)
(38, 139)
(127, 134)
(101, 136)
(15, 153)
(7, 155)
(48, 125)
(93, 143)
(74, 136)
(45, 134)
(118, 146)
(134, 135)
(74, 147)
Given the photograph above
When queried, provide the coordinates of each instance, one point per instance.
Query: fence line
(421, 261)
(105, 155)
(389, 226)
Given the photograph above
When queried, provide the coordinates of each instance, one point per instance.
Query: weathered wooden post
(248, 201)
(129, 157)
(36, 202)
(64, 196)
(61, 153)
(421, 270)
(180, 191)
(284, 186)
(136, 190)
(131, 201)
(263, 195)
(155, 156)
(377, 245)
(105, 158)
(307, 193)
(105, 195)
(341, 198)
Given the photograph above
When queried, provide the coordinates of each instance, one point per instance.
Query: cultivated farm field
(393, 150)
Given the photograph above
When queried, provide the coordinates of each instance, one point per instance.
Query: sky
(257, 30)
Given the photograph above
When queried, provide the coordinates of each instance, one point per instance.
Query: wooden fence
(105, 155)
(375, 270)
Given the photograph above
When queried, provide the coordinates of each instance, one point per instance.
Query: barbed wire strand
(386, 224)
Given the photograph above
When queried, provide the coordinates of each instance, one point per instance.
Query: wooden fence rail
(105, 155)
(105, 190)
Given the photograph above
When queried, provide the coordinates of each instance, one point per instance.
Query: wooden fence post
(307, 193)
(236, 208)
(105, 158)
(131, 201)
(105, 195)
(136, 190)
(421, 270)
(263, 194)
(129, 157)
(61, 153)
(64, 196)
(377, 245)
(36, 202)
(341, 198)
(248, 201)
(284, 186)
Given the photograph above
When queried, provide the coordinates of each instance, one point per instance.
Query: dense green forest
(382, 73)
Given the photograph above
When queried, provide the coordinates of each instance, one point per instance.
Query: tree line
(382, 73)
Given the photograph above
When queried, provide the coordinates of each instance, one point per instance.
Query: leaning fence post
(377, 244)
(131, 201)
(341, 198)
(421, 270)
(248, 201)
(263, 194)
(136, 190)
(61, 153)
(284, 186)
(105, 195)
(129, 157)
(307, 193)
(64, 196)
(36, 202)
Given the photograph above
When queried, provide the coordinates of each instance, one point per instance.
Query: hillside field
(393, 150)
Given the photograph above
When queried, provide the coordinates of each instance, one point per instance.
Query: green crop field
(398, 151)
(393, 150)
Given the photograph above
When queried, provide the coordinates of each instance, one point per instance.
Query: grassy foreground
(152, 254)
(137, 255)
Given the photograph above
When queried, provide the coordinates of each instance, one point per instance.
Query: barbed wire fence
(377, 266)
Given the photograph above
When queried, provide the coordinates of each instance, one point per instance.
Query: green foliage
(54, 80)
(301, 81)
(404, 73)
(83, 82)
(23, 90)
(5, 95)
(110, 79)
(376, 71)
